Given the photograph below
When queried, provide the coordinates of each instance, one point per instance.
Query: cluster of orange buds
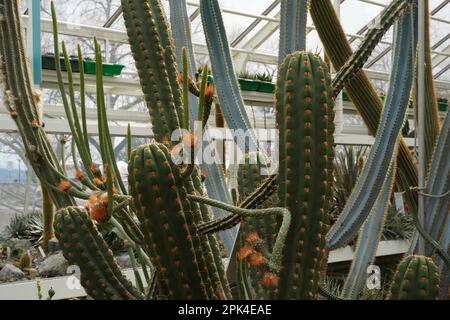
(97, 206)
(79, 175)
(256, 258)
(64, 185)
(270, 280)
(249, 252)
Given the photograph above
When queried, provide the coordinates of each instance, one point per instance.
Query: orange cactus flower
(97, 181)
(253, 238)
(244, 252)
(257, 259)
(98, 207)
(35, 123)
(79, 175)
(270, 280)
(98, 213)
(64, 185)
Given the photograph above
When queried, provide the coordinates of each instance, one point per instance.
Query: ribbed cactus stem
(168, 221)
(306, 152)
(416, 278)
(83, 245)
(371, 40)
(360, 90)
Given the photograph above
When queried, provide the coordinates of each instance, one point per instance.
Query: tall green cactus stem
(24, 103)
(360, 89)
(168, 220)
(83, 245)
(293, 18)
(371, 40)
(373, 175)
(151, 47)
(416, 278)
(48, 213)
(305, 120)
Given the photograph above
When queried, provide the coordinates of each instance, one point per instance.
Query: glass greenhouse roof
(250, 26)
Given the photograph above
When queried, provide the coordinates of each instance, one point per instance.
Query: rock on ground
(53, 266)
(10, 273)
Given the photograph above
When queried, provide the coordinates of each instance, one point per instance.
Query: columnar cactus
(83, 245)
(185, 263)
(416, 278)
(305, 120)
(360, 90)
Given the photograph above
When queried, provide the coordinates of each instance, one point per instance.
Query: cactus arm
(360, 89)
(388, 16)
(69, 108)
(228, 93)
(433, 243)
(294, 15)
(83, 101)
(438, 184)
(274, 263)
(215, 180)
(368, 240)
(186, 123)
(372, 176)
(83, 245)
(104, 132)
(14, 83)
(259, 196)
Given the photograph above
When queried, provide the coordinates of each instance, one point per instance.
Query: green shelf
(248, 85)
(48, 63)
(266, 87)
(109, 69)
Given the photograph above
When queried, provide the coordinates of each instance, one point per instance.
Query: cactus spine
(416, 278)
(305, 120)
(84, 246)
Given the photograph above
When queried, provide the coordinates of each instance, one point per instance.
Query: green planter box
(443, 106)
(48, 63)
(248, 85)
(109, 69)
(266, 87)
